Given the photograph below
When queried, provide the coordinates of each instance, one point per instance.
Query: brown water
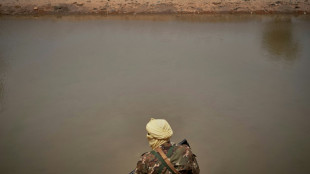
(76, 92)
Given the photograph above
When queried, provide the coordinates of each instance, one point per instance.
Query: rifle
(183, 142)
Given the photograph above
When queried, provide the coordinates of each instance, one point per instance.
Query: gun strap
(167, 161)
(163, 163)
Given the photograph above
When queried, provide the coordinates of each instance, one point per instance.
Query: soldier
(180, 157)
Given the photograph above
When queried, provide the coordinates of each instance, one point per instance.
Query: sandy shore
(41, 7)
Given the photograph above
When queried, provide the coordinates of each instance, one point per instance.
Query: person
(180, 156)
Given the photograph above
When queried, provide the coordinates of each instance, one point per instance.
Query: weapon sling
(164, 160)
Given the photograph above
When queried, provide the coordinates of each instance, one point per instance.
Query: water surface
(76, 92)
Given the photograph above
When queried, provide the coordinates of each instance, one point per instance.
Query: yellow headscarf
(159, 132)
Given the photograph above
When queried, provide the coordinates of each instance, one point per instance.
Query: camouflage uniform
(182, 158)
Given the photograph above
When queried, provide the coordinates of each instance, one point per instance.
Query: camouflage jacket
(182, 158)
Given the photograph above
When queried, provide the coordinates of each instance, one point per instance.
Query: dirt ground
(106, 7)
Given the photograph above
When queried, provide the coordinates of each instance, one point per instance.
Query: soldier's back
(180, 156)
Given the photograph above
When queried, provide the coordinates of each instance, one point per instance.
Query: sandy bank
(41, 7)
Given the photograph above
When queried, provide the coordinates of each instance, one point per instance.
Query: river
(77, 91)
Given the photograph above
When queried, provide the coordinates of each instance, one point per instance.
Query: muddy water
(76, 92)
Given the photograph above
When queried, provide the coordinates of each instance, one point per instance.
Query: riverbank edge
(113, 8)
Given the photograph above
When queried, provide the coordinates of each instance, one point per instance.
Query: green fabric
(161, 167)
(169, 153)
(163, 163)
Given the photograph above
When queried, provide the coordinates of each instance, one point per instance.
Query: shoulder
(147, 162)
(143, 163)
(183, 150)
(182, 155)
(184, 159)
(147, 157)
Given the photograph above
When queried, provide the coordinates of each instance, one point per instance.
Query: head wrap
(159, 132)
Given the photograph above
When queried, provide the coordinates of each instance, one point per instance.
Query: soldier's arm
(192, 164)
(195, 167)
(141, 166)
